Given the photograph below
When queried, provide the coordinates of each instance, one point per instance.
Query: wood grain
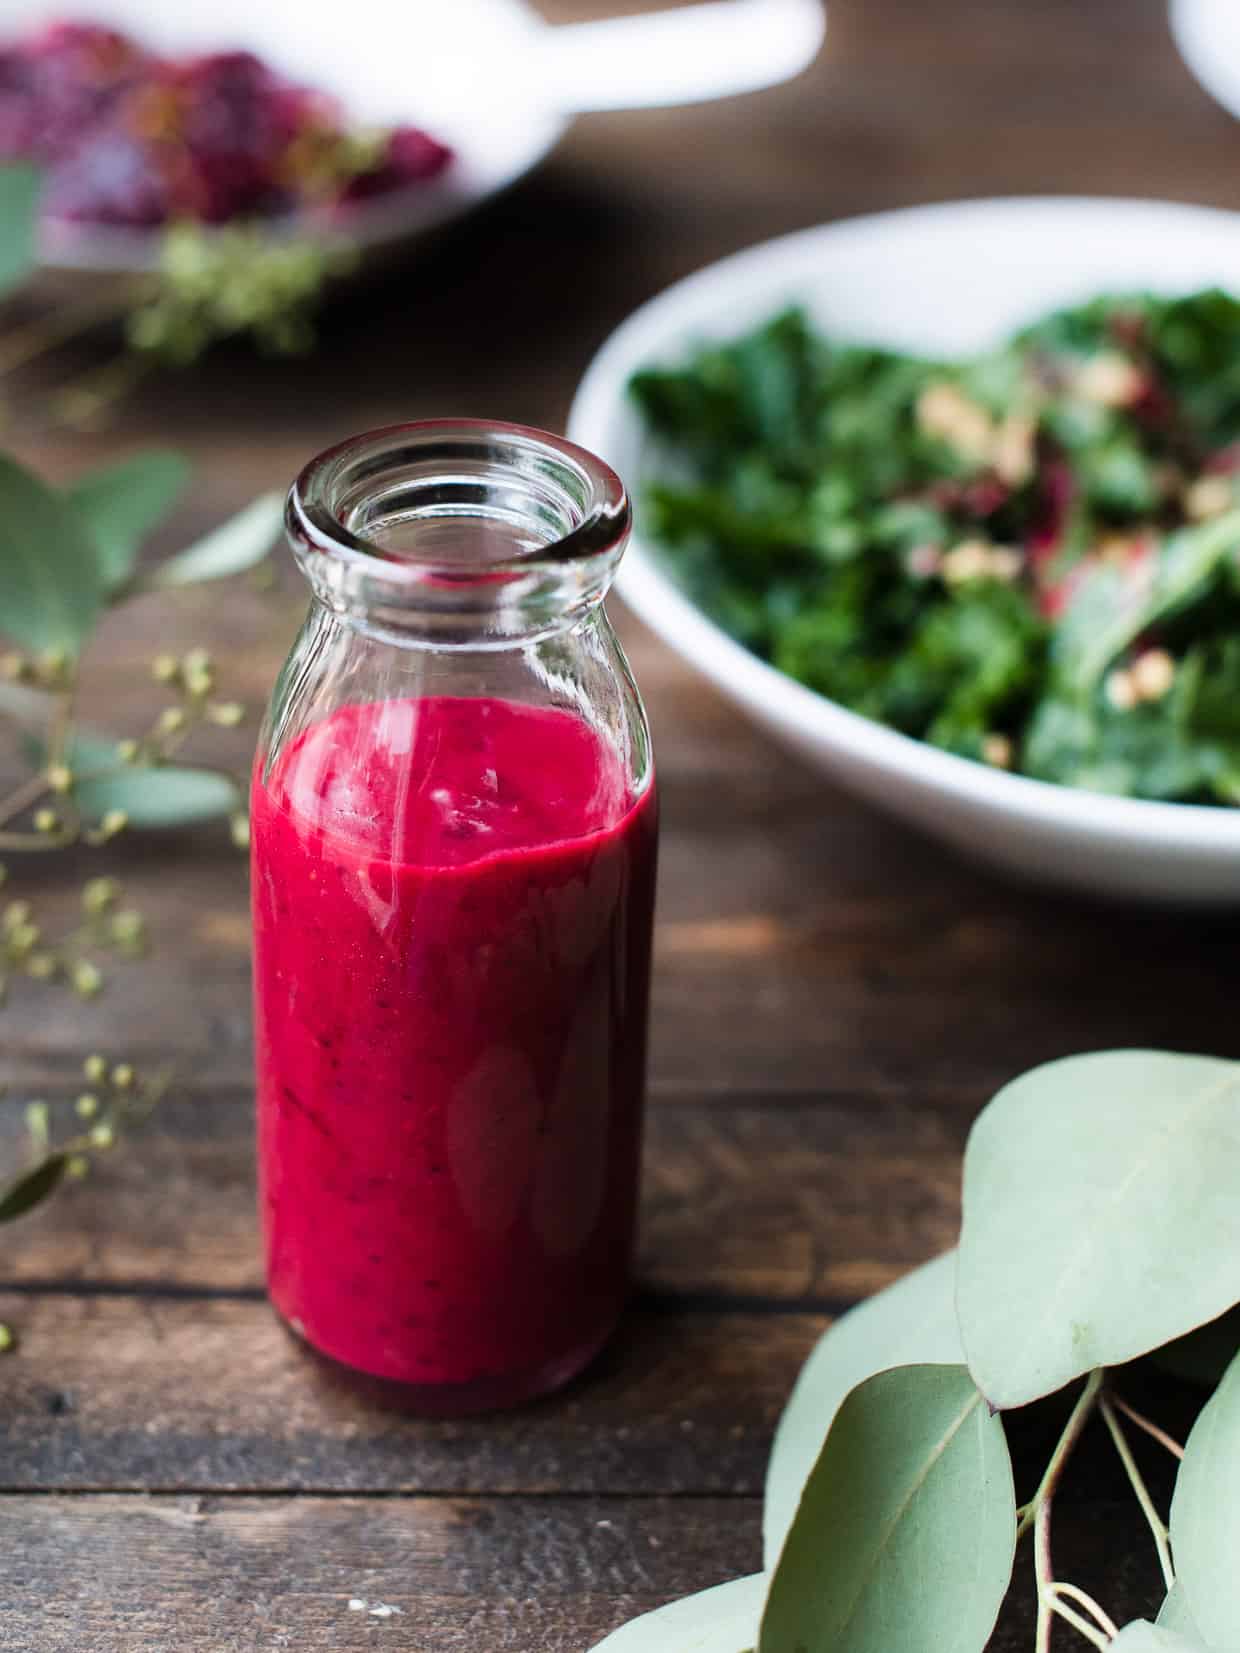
(114, 1573)
(794, 1200)
(149, 1393)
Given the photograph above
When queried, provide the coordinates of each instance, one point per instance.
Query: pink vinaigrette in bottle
(453, 834)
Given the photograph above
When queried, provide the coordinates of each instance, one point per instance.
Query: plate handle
(711, 50)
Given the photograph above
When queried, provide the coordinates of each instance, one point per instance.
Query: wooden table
(834, 998)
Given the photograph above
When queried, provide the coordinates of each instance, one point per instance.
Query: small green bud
(122, 1076)
(76, 1166)
(239, 830)
(38, 1122)
(16, 916)
(102, 1135)
(164, 668)
(171, 720)
(46, 821)
(95, 1069)
(86, 1106)
(60, 778)
(116, 820)
(23, 939)
(227, 713)
(50, 666)
(128, 930)
(42, 966)
(87, 978)
(197, 660)
(98, 894)
(8, 1341)
(128, 751)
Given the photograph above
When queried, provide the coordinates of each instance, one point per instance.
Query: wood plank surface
(147, 1393)
(115, 1574)
(786, 1199)
(834, 997)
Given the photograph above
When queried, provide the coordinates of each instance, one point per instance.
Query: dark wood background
(834, 998)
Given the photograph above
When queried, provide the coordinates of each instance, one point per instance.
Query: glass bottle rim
(597, 512)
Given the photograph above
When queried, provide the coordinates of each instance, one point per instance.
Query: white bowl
(487, 77)
(939, 279)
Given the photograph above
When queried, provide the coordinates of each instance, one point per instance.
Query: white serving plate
(947, 278)
(488, 77)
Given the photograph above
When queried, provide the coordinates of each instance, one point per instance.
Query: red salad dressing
(452, 909)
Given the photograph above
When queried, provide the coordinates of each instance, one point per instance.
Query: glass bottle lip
(594, 512)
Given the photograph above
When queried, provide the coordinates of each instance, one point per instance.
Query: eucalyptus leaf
(722, 1620)
(32, 1187)
(165, 797)
(1143, 1637)
(51, 588)
(240, 543)
(907, 1526)
(19, 217)
(1100, 1216)
(1205, 1516)
(913, 1320)
(122, 503)
(1174, 1613)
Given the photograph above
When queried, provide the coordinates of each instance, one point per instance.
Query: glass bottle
(453, 855)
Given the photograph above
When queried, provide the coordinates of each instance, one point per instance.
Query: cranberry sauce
(452, 912)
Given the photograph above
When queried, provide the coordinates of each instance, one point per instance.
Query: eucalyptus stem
(1149, 1426)
(44, 333)
(1073, 1429)
(1060, 1609)
(21, 799)
(1096, 1611)
(1157, 1525)
(83, 400)
(1044, 1573)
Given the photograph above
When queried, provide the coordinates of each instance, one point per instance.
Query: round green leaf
(32, 1187)
(238, 544)
(122, 503)
(913, 1321)
(1174, 1614)
(722, 1620)
(1100, 1216)
(907, 1526)
(171, 796)
(50, 585)
(1143, 1637)
(1205, 1516)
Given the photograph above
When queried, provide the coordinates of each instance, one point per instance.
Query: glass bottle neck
(458, 534)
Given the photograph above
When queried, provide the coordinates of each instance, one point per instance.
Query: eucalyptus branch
(1157, 1525)
(1064, 1448)
(1099, 1613)
(1148, 1426)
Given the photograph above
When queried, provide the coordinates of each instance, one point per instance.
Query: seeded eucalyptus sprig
(114, 1099)
(65, 557)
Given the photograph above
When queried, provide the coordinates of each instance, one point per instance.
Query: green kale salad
(1030, 558)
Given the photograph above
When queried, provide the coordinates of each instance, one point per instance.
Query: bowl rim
(597, 409)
